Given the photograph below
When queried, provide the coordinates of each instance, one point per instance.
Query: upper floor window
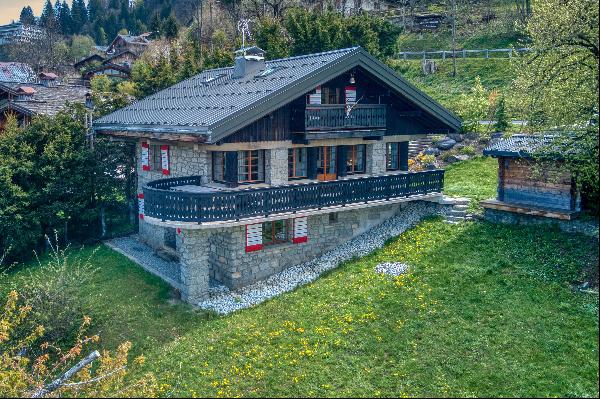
(218, 165)
(297, 165)
(155, 157)
(355, 161)
(392, 156)
(251, 166)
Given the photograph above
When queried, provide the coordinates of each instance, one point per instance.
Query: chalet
(89, 61)
(135, 44)
(46, 97)
(247, 170)
(529, 186)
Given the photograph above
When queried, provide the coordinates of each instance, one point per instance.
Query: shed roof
(519, 145)
(213, 104)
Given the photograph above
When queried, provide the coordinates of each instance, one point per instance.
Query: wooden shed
(529, 185)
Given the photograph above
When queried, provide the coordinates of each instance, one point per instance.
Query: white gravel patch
(391, 268)
(225, 302)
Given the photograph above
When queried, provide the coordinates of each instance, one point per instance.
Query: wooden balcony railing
(164, 203)
(338, 116)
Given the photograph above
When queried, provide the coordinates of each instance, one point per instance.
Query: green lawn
(476, 178)
(485, 310)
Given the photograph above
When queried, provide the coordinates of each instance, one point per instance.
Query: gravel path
(144, 256)
(293, 277)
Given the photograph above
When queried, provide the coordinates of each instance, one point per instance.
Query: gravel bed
(293, 277)
(144, 256)
(391, 268)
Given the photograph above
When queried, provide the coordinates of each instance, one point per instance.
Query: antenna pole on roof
(243, 26)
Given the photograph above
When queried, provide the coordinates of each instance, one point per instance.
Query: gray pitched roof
(16, 72)
(214, 104)
(519, 146)
(45, 100)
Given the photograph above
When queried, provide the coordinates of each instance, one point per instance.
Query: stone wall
(376, 158)
(224, 249)
(276, 166)
(184, 160)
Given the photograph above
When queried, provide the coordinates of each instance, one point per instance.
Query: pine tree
(501, 123)
(156, 26)
(95, 10)
(101, 37)
(48, 16)
(27, 17)
(64, 19)
(78, 15)
(171, 29)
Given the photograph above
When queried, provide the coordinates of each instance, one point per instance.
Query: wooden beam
(188, 138)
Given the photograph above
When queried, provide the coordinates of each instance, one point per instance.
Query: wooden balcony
(357, 121)
(167, 201)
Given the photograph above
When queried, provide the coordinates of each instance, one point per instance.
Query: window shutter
(300, 230)
(141, 205)
(315, 98)
(145, 156)
(350, 95)
(164, 158)
(254, 237)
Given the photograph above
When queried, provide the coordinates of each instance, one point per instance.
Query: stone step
(458, 213)
(455, 218)
(461, 207)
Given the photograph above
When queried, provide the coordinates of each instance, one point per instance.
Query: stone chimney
(249, 61)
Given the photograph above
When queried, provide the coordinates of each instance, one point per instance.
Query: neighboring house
(247, 170)
(16, 32)
(16, 72)
(25, 100)
(136, 44)
(89, 61)
(116, 61)
(528, 186)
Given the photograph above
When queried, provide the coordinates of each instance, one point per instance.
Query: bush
(52, 291)
(468, 150)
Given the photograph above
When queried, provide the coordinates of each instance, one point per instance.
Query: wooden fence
(463, 53)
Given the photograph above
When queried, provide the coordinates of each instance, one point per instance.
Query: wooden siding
(523, 181)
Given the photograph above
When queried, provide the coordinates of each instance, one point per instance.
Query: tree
(271, 37)
(557, 83)
(171, 28)
(48, 17)
(501, 124)
(64, 18)
(95, 10)
(27, 17)
(78, 15)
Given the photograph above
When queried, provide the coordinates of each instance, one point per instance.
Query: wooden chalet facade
(253, 163)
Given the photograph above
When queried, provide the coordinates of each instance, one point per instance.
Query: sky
(11, 9)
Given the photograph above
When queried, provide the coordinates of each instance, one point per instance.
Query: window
(218, 165)
(355, 161)
(155, 157)
(392, 156)
(275, 232)
(251, 166)
(333, 217)
(297, 166)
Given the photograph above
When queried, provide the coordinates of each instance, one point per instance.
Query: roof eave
(107, 128)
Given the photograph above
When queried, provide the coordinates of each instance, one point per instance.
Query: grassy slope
(495, 73)
(476, 178)
(470, 319)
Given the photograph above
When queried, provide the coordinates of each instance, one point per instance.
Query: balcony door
(326, 163)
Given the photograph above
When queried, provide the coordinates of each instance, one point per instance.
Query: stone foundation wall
(184, 160)
(221, 253)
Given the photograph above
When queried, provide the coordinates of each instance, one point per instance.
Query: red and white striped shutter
(254, 237)
(145, 156)
(315, 98)
(300, 230)
(164, 158)
(350, 94)
(141, 205)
